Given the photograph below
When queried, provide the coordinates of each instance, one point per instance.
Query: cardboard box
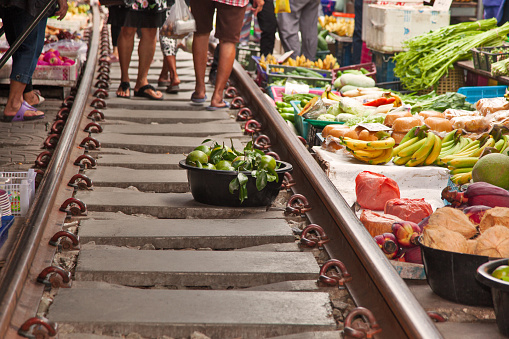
(68, 73)
(389, 25)
(366, 15)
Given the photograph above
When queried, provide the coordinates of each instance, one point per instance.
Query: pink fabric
(238, 3)
(365, 54)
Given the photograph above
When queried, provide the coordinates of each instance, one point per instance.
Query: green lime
(501, 272)
(196, 156)
(224, 165)
(267, 162)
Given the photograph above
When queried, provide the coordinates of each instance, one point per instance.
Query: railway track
(152, 261)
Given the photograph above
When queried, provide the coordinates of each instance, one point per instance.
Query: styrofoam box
(366, 14)
(390, 25)
(57, 72)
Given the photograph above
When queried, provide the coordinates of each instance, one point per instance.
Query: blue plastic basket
(473, 94)
(7, 222)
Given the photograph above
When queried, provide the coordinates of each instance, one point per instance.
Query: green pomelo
(492, 168)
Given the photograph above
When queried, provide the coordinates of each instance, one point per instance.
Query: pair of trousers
(303, 18)
(24, 60)
(357, 34)
(268, 26)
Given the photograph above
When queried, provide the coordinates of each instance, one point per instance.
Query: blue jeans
(24, 61)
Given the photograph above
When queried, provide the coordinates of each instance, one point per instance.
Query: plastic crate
(245, 55)
(7, 222)
(328, 6)
(21, 190)
(308, 128)
(473, 94)
(384, 66)
(369, 66)
(312, 82)
(261, 74)
(276, 92)
(483, 57)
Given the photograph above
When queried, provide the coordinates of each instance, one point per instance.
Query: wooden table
(469, 66)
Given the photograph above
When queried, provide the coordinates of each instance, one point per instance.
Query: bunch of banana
(330, 62)
(372, 152)
(417, 148)
(327, 94)
(267, 60)
(341, 27)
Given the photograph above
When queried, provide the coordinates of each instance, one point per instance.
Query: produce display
(223, 158)
(429, 56)
(52, 57)
(330, 62)
(339, 26)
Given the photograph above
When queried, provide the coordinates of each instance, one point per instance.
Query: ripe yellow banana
(425, 149)
(462, 178)
(437, 147)
(355, 144)
(333, 96)
(461, 162)
(401, 161)
(366, 155)
(382, 159)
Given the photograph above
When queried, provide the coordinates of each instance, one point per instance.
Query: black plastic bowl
(499, 291)
(451, 275)
(211, 186)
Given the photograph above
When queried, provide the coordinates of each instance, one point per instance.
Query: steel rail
(19, 261)
(375, 285)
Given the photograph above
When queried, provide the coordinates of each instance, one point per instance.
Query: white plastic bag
(179, 23)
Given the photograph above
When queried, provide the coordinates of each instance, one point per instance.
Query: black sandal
(124, 86)
(142, 92)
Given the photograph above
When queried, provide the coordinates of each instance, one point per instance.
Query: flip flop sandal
(20, 114)
(39, 97)
(198, 101)
(142, 92)
(163, 83)
(216, 108)
(173, 89)
(125, 86)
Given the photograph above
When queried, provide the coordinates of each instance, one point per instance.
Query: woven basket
(448, 83)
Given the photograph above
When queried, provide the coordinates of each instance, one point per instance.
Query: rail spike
(80, 181)
(361, 330)
(43, 159)
(51, 141)
(96, 115)
(311, 240)
(38, 327)
(55, 277)
(98, 103)
(90, 142)
(333, 279)
(288, 181)
(274, 155)
(297, 204)
(63, 113)
(230, 92)
(76, 207)
(93, 127)
(252, 126)
(68, 241)
(101, 93)
(102, 84)
(85, 160)
(244, 114)
(57, 126)
(262, 142)
(237, 102)
(435, 316)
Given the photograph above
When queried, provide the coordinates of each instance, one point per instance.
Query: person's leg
(125, 50)
(169, 50)
(203, 12)
(288, 25)
(30, 95)
(213, 67)
(228, 26)
(24, 59)
(146, 50)
(115, 33)
(357, 34)
(268, 25)
(308, 22)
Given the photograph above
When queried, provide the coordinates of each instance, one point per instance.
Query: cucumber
(357, 80)
(352, 71)
(322, 44)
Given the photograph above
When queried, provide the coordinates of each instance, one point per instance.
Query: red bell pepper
(380, 101)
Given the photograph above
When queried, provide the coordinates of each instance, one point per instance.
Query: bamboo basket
(448, 83)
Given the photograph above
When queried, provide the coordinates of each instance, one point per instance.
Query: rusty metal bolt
(315, 239)
(76, 207)
(43, 159)
(63, 113)
(93, 127)
(38, 327)
(262, 142)
(297, 204)
(437, 317)
(101, 93)
(102, 84)
(244, 114)
(288, 181)
(98, 103)
(85, 160)
(51, 141)
(237, 102)
(252, 127)
(361, 329)
(230, 92)
(332, 278)
(90, 142)
(80, 181)
(96, 115)
(57, 126)
(274, 155)
(54, 276)
(304, 142)
(68, 240)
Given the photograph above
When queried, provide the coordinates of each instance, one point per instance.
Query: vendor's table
(469, 66)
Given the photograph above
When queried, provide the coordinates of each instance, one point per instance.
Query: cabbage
(326, 117)
(334, 109)
(344, 117)
(352, 106)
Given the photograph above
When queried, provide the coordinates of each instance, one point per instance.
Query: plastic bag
(373, 190)
(315, 111)
(69, 48)
(282, 6)
(491, 105)
(179, 23)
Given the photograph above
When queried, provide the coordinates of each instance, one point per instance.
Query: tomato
(197, 156)
(267, 162)
(501, 272)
